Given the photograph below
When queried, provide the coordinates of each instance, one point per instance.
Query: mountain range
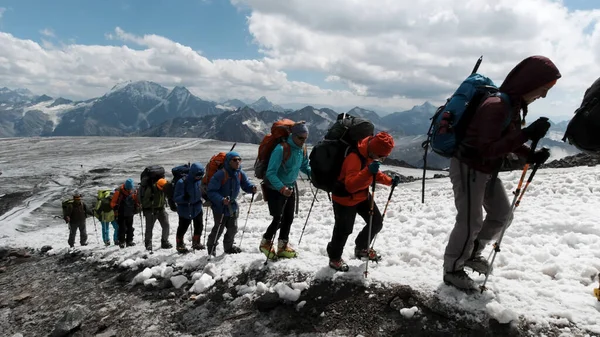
(148, 109)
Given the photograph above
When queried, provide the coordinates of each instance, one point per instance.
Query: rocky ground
(67, 295)
(580, 159)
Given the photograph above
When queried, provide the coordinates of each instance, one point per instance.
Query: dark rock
(126, 276)
(580, 159)
(19, 253)
(267, 302)
(71, 321)
(438, 176)
(100, 170)
(165, 284)
(45, 249)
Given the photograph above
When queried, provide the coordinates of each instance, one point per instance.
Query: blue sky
(329, 53)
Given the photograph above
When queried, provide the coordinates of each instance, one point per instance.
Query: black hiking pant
(227, 222)
(276, 202)
(344, 224)
(73, 227)
(184, 224)
(125, 228)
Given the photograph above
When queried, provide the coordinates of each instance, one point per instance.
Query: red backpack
(215, 163)
(280, 130)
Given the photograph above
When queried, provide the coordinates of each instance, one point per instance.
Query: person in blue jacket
(188, 197)
(223, 190)
(279, 191)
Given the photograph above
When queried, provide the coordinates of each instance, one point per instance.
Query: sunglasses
(237, 159)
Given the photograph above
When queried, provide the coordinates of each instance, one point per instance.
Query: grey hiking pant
(229, 223)
(472, 190)
(73, 232)
(151, 215)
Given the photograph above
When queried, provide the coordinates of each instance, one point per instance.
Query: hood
(196, 170)
(530, 74)
(228, 157)
(129, 184)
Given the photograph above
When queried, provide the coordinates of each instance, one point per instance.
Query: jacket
(77, 212)
(188, 193)
(486, 140)
(104, 216)
(357, 180)
(152, 198)
(280, 174)
(227, 183)
(125, 202)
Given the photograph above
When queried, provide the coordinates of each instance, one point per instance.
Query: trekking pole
(384, 211)
(141, 225)
(205, 225)
(96, 229)
(515, 203)
(233, 147)
(246, 222)
(276, 229)
(214, 246)
(477, 64)
(371, 211)
(308, 216)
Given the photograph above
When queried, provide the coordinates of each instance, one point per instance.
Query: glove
(395, 181)
(254, 189)
(226, 201)
(285, 191)
(537, 129)
(539, 157)
(374, 167)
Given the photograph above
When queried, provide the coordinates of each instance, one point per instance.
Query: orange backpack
(280, 130)
(215, 164)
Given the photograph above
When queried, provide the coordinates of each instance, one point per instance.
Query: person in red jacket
(473, 171)
(358, 171)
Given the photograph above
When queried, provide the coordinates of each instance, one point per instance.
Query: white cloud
(47, 32)
(383, 52)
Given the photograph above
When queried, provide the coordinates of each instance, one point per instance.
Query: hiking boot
(121, 245)
(233, 250)
(478, 264)
(71, 245)
(84, 243)
(338, 265)
(130, 243)
(117, 243)
(107, 243)
(285, 250)
(165, 245)
(370, 254)
(459, 279)
(181, 248)
(266, 247)
(196, 245)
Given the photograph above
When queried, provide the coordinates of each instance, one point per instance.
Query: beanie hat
(129, 184)
(161, 183)
(299, 129)
(381, 144)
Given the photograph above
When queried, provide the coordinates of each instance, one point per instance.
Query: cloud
(388, 53)
(47, 32)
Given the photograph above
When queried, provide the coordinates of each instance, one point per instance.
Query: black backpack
(582, 131)
(327, 157)
(178, 172)
(149, 176)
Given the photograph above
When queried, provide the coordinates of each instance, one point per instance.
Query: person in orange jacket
(358, 170)
(125, 204)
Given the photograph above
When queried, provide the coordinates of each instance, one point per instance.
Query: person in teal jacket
(279, 191)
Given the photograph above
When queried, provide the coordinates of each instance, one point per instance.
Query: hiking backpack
(216, 163)
(327, 157)
(67, 207)
(103, 205)
(149, 177)
(450, 121)
(280, 131)
(582, 130)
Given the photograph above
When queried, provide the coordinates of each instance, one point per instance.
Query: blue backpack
(450, 122)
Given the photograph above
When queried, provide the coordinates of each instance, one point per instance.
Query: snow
(408, 312)
(544, 273)
(225, 107)
(55, 113)
(322, 114)
(256, 125)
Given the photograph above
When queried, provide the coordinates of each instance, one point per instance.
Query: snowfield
(545, 272)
